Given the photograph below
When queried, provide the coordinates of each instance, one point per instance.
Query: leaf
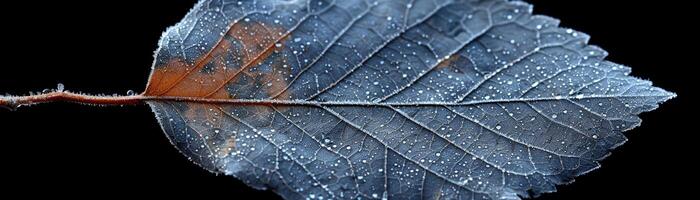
(391, 98)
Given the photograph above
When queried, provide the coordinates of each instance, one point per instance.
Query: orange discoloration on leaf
(274, 79)
(269, 76)
(447, 62)
(229, 145)
(244, 45)
(204, 119)
(202, 113)
(249, 58)
(164, 77)
(210, 124)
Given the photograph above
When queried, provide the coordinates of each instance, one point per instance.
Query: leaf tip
(666, 95)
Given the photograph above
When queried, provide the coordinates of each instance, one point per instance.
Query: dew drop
(60, 87)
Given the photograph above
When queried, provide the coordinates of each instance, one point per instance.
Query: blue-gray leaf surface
(398, 99)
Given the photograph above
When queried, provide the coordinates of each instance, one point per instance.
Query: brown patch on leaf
(245, 45)
(228, 146)
(444, 63)
(202, 117)
(270, 77)
(165, 76)
(204, 122)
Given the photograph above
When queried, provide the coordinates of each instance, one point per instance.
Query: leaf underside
(402, 99)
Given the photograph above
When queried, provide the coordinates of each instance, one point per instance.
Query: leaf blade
(498, 104)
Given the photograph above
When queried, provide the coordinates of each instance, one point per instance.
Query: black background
(73, 150)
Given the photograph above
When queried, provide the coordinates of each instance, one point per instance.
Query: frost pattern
(404, 99)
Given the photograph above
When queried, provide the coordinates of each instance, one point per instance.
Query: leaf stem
(14, 102)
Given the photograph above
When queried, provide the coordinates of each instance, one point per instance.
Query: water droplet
(60, 87)
(498, 127)
(130, 93)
